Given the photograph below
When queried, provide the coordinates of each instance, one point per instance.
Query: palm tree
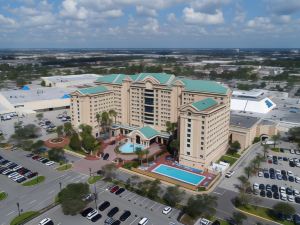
(275, 138)
(98, 118)
(265, 149)
(140, 153)
(171, 127)
(114, 114)
(146, 152)
(105, 121)
(248, 170)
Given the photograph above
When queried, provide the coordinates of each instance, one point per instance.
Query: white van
(143, 221)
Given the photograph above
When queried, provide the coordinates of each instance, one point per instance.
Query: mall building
(145, 102)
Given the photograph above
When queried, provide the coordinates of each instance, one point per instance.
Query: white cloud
(71, 10)
(208, 6)
(193, 17)
(260, 23)
(142, 10)
(111, 13)
(5, 21)
(152, 25)
(171, 17)
(283, 7)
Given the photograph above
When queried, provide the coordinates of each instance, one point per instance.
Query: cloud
(70, 9)
(260, 23)
(152, 25)
(208, 6)
(142, 10)
(112, 13)
(192, 17)
(7, 22)
(283, 7)
(171, 17)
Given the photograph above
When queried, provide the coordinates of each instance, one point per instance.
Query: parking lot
(139, 207)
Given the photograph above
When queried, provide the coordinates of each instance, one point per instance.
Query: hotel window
(189, 125)
(188, 135)
(188, 145)
(189, 120)
(188, 140)
(188, 153)
(188, 130)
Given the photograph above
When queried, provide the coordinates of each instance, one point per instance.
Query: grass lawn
(3, 196)
(185, 219)
(24, 217)
(275, 149)
(229, 159)
(64, 167)
(34, 181)
(235, 155)
(263, 212)
(81, 152)
(94, 179)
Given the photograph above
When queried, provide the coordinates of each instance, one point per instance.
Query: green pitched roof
(112, 78)
(204, 104)
(203, 86)
(162, 78)
(148, 132)
(93, 90)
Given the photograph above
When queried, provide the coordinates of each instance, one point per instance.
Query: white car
(50, 163)
(92, 214)
(296, 192)
(297, 152)
(283, 197)
(46, 221)
(260, 174)
(255, 186)
(13, 174)
(297, 179)
(204, 221)
(290, 173)
(6, 171)
(292, 151)
(290, 198)
(229, 174)
(17, 177)
(167, 210)
(17, 167)
(282, 190)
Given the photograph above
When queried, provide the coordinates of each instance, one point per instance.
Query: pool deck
(209, 176)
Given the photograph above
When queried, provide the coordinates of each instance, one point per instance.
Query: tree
(275, 138)
(56, 154)
(105, 121)
(195, 206)
(146, 152)
(89, 143)
(173, 196)
(244, 183)
(114, 114)
(43, 83)
(59, 131)
(235, 146)
(173, 147)
(85, 130)
(284, 208)
(71, 198)
(140, 154)
(98, 118)
(29, 131)
(75, 143)
(171, 127)
(39, 116)
(248, 171)
(154, 189)
(239, 217)
(109, 171)
(265, 150)
(37, 145)
(68, 129)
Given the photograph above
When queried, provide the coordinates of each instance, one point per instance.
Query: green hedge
(34, 181)
(26, 216)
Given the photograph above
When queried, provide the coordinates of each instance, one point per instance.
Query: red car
(36, 157)
(114, 189)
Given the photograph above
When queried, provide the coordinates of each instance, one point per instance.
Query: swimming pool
(179, 174)
(128, 147)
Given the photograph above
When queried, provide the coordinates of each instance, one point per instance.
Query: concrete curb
(74, 153)
(263, 218)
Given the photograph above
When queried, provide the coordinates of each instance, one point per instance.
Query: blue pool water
(178, 174)
(128, 147)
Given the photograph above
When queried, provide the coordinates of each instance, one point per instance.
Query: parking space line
(153, 205)
(51, 192)
(131, 197)
(10, 213)
(32, 202)
(133, 221)
(126, 194)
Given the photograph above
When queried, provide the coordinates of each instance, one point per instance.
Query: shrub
(129, 165)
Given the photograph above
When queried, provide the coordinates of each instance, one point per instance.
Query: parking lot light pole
(60, 186)
(18, 205)
(90, 169)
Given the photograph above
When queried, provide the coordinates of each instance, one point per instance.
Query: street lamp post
(90, 169)
(18, 205)
(60, 186)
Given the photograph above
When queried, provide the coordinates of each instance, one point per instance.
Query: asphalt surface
(36, 197)
(139, 207)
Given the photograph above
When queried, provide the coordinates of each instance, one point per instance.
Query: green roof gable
(92, 90)
(204, 86)
(148, 132)
(162, 78)
(112, 78)
(204, 104)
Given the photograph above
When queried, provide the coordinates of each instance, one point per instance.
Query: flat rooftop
(243, 121)
(39, 94)
(69, 78)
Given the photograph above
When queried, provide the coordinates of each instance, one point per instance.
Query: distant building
(145, 102)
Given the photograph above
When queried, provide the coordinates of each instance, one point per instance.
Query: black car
(289, 191)
(272, 176)
(22, 179)
(104, 206)
(85, 212)
(45, 161)
(120, 191)
(276, 195)
(274, 188)
(266, 175)
(292, 164)
(274, 157)
(96, 218)
(262, 193)
(275, 162)
(117, 222)
(105, 157)
(291, 179)
(113, 211)
(284, 177)
(272, 170)
(296, 219)
(285, 159)
(283, 172)
(297, 200)
(261, 187)
(269, 194)
(125, 215)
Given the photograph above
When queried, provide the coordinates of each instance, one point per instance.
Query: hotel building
(145, 102)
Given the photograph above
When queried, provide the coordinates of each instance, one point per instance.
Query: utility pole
(18, 205)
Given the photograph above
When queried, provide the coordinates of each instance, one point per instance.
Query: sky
(149, 23)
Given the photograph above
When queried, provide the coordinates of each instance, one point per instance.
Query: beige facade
(244, 129)
(153, 99)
